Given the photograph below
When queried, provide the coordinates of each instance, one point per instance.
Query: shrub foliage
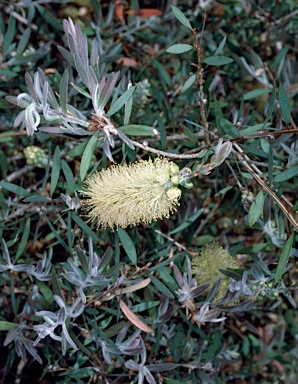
(175, 131)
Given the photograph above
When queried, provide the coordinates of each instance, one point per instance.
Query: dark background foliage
(49, 251)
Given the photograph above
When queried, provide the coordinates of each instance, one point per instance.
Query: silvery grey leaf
(257, 274)
(199, 290)
(107, 90)
(84, 260)
(94, 57)
(214, 290)
(73, 278)
(92, 81)
(38, 85)
(72, 44)
(32, 120)
(105, 259)
(33, 352)
(12, 99)
(31, 87)
(73, 129)
(67, 336)
(22, 268)
(107, 150)
(5, 254)
(67, 55)
(82, 46)
(125, 139)
(81, 70)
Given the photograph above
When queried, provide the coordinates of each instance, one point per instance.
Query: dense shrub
(148, 192)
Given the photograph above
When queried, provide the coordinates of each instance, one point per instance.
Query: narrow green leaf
(84, 226)
(218, 115)
(256, 208)
(286, 175)
(218, 60)
(188, 222)
(253, 129)
(120, 102)
(64, 91)
(68, 176)
(144, 306)
(221, 46)
(179, 48)
(23, 42)
(257, 152)
(223, 191)
(280, 60)
(87, 155)
(138, 130)
(163, 74)
(116, 92)
(189, 82)
(270, 165)
(271, 106)
(284, 258)
(55, 284)
(127, 110)
(128, 245)
(46, 291)
(192, 137)
(81, 91)
(255, 93)
(50, 18)
(24, 239)
(10, 33)
(180, 17)
(7, 325)
(228, 128)
(163, 132)
(284, 104)
(161, 287)
(167, 279)
(22, 192)
(55, 170)
(78, 150)
(56, 234)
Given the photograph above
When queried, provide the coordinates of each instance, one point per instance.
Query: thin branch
(146, 147)
(237, 151)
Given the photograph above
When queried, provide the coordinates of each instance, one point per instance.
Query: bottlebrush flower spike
(128, 195)
(206, 267)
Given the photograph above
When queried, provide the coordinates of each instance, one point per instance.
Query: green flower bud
(174, 168)
(175, 179)
(36, 156)
(188, 185)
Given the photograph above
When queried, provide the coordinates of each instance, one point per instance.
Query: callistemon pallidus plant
(128, 195)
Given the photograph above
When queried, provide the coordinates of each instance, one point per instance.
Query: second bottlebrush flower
(126, 195)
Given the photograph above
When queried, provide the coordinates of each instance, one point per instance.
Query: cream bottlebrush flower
(206, 267)
(128, 195)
